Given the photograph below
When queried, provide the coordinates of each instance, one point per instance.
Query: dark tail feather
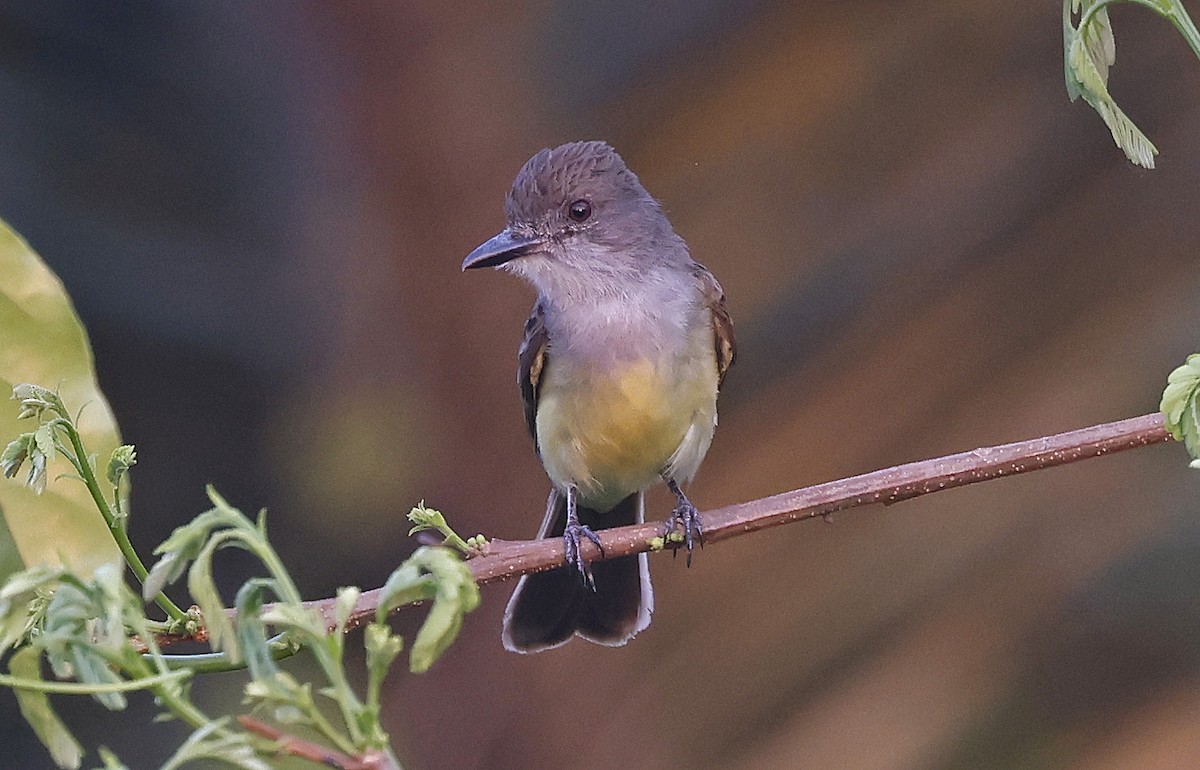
(546, 609)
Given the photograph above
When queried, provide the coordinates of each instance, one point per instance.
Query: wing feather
(723, 340)
(531, 359)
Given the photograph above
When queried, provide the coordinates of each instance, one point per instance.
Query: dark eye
(580, 210)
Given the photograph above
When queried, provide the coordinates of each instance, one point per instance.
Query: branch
(509, 559)
(313, 752)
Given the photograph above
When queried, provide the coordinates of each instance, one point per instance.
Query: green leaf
(40, 715)
(84, 631)
(1180, 408)
(164, 572)
(1087, 75)
(288, 701)
(300, 621)
(1089, 50)
(250, 629)
(430, 518)
(42, 341)
(15, 454)
(382, 647)
(36, 399)
(204, 591)
(181, 549)
(406, 585)
(457, 594)
(123, 458)
(22, 602)
(111, 761)
(10, 560)
(343, 606)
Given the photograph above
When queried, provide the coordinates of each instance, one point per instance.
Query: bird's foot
(573, 537)
(685, 514)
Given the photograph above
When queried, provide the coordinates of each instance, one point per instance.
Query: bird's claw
(686, 514)
(573, 537)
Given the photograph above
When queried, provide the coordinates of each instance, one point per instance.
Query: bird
(623, 355)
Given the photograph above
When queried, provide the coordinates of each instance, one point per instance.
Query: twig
(510, 559)
(298, 747)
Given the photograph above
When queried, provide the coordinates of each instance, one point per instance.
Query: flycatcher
(623, 354)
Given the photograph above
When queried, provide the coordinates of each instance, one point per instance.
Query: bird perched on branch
(623, 354)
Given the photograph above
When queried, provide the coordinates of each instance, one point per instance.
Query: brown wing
(530, 361)
(714, 297)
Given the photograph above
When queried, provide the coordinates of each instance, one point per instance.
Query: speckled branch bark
(510, 559)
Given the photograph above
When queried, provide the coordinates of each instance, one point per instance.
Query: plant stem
(329, 731)
(329, 653)
(114, 524)
(218, 662)
(184, 710)
(286, 589)
(82, 688)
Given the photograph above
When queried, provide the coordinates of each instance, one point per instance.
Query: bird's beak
(504, 247)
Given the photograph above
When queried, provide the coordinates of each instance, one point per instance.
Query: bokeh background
(260, 210)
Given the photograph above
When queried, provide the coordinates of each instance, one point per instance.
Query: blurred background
(260, 211)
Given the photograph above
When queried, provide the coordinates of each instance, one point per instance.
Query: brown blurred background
(261, 209)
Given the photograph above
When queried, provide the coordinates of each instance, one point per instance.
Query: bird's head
(577, 219)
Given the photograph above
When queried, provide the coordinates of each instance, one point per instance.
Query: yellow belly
(611, 433)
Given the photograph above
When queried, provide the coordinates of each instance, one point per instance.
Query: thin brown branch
(510, 559)
(887, 486)
(314, 752)
(164, 640)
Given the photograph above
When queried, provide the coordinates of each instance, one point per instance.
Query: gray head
(578, 220)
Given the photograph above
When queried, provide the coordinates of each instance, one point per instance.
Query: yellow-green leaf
(40, 715)
(1180, 405)
(43, 342)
